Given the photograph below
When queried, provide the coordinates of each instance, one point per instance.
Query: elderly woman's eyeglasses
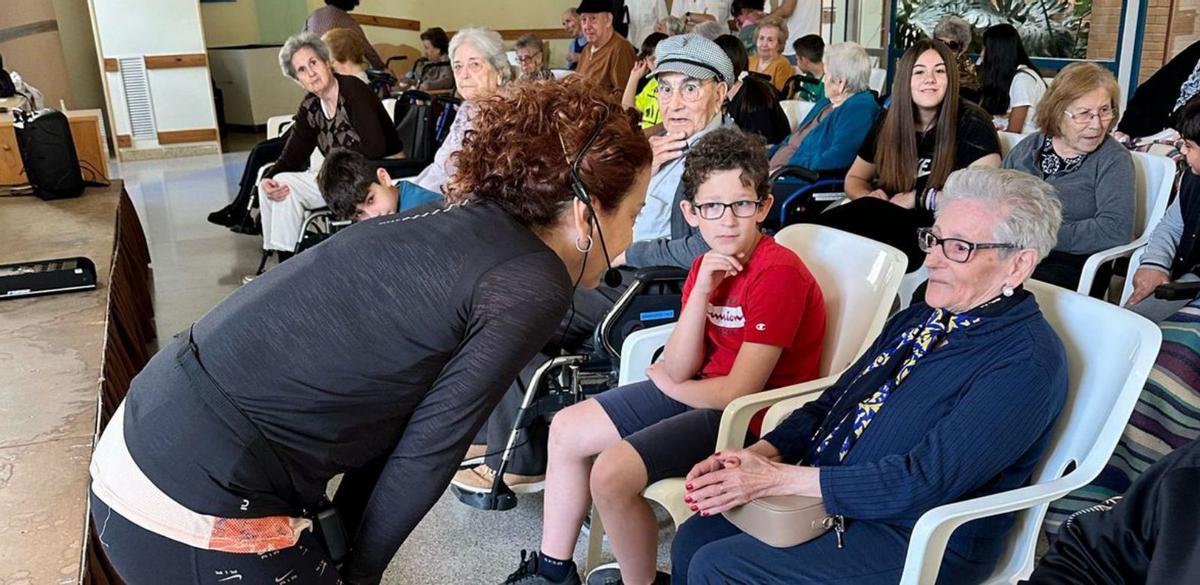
(472, 66)
(527, 58)
(691, 90)
(954, 249)
(1085, 117)
(712, 211)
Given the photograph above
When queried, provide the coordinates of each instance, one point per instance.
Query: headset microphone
(612, 276)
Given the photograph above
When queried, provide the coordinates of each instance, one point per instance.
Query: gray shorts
(670, 436)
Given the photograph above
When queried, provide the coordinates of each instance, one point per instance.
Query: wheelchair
(801, 195)
(422, 122)
(653, 298)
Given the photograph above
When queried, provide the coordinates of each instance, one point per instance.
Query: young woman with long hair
(1012, 84)
(926, 134)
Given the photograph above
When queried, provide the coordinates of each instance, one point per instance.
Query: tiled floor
(196, 264)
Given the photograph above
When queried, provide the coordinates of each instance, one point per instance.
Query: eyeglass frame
(1097, 115)
(971, 246)
(696, 207)
(658, 90)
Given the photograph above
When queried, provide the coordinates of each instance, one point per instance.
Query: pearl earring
(1007, 291)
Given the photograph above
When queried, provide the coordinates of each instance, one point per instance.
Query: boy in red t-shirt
(753, 318)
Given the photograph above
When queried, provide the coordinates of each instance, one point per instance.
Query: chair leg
(262, 264)
(595, 542)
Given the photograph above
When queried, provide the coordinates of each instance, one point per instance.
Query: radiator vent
(137, 98)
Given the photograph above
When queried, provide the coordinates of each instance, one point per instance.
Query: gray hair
(489, 43)
(954, 27)
(848, 62)
(1034, 210)
(530, 41)
(674, 25)
(709, 29)
(293, 46)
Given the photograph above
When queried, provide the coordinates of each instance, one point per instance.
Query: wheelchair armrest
(793, 171)
(1177, 291)
(652, 274)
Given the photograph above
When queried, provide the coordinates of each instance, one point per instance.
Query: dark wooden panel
(176, 61)
(386, 22)
(185, 136)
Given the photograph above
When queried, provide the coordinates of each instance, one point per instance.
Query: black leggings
(142, 557)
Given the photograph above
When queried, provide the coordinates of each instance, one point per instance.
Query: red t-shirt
(774, 301)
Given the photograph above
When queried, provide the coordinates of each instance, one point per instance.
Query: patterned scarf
(1051, 164)
(1190, 88)
(842, 428)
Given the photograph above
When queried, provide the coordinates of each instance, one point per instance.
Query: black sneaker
(226, 216)
(610, 574)
(527, 573)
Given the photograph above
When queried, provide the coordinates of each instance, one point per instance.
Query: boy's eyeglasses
(743, 209)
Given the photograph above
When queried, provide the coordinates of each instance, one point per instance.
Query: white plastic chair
(1109, 355)
(1007, 141)
(878, 80)
(858, 278)
(1155, 176)
(796, 111)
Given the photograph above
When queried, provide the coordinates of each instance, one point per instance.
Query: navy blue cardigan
(973, 418)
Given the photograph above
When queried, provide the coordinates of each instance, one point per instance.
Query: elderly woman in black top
(956, 399)
(339, 111)
(376, 354)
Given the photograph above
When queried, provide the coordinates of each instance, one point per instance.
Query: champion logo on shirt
(727, 317)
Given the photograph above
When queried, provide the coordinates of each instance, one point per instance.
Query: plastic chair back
(858, 277)
(796, 111)
(1007, 141)
(1110, 352)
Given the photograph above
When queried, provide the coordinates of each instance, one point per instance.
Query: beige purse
(785, 521)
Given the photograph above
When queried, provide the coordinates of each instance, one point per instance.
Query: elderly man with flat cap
(608, 58)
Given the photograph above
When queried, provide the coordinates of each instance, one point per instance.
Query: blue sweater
(834, 143)
(973, 418)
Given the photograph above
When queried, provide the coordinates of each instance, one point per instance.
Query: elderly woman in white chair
(956, 399)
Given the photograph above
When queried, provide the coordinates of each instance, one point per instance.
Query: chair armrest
(401, 167)
(932, 532)
(1092, 265)
(735, 420)
(638, 351)
(661, 274)
(794, 171)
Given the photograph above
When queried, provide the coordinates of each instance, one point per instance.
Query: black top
(976, 139)
(1149, 110)
(757, 110)
(1149, 537)
(391, 341)
(360, 123)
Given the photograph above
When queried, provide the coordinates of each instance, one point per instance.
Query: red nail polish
(704, 513)
(688, 499)
(695, 507)
(689, 486)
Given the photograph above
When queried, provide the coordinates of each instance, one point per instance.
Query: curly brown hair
(514, 154)
(727, 149)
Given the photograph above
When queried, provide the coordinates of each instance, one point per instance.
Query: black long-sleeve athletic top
(393, 340)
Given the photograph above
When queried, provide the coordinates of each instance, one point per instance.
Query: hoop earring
(583, 248)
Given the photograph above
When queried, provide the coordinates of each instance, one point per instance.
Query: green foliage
(1049, 28)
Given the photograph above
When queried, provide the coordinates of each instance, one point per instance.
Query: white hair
(293, 46)
(954, 27)
(489, 43)
(1034, 210)
(848, 62)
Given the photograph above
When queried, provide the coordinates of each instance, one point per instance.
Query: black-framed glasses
(955, 249)
(712, 211)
